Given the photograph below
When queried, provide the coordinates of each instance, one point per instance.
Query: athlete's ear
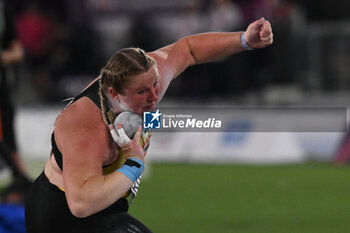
(113, 93)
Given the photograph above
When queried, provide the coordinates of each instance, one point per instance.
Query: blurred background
(67, 42)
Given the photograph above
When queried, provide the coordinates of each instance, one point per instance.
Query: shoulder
(80, 126)
(82, 111)
(174, 58)
(171, 61)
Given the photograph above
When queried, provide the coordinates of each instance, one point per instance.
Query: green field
(307, 198)
(247, 199)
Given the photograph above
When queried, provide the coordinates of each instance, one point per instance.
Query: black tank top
(92, 93)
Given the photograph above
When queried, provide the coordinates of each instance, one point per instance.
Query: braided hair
(123, 64)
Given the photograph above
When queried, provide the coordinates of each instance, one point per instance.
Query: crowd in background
(66, 43)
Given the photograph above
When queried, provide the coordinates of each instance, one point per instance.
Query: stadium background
(237, 182)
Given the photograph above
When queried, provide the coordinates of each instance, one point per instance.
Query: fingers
(266, 35)
(258, 23)
(266, 29)
(122, 136)
(114, 134)
(133, 148)
(261, 21)
(119, 137)
(138, 133)
(259, 33)
(261, 26)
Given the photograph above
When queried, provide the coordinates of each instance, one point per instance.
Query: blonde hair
(123, 64)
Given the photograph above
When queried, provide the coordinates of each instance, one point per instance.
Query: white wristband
(244, 43)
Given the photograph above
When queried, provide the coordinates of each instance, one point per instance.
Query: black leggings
(46, 210)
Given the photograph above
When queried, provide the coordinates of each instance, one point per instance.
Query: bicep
(82, 143)
(82, 159)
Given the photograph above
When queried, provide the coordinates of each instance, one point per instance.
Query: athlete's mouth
(150, 106)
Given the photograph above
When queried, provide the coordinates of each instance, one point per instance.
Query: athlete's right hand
(133, 149)
(119, 135)
(259, 34)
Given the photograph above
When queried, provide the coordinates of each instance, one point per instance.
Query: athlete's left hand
(259, 34)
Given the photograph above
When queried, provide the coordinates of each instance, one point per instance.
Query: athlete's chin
(149, 108)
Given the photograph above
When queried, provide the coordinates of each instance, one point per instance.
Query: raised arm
(173, 59)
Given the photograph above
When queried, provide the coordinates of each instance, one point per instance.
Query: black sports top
(92, 93)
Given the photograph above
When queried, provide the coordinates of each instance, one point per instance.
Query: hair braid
(123, 64)
(103, 102)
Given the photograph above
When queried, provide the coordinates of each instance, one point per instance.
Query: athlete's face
(141, 93)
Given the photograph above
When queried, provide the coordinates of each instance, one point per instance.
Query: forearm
(207, 47)
(97, 193)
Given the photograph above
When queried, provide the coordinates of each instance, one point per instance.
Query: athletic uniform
(47, 209)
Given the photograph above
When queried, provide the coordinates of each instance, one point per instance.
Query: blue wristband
(244, 43)
(132, 168)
